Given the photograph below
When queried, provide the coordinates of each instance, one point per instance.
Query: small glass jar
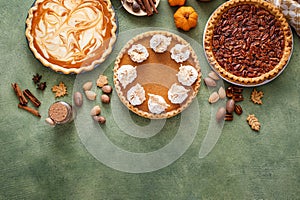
(61, 112)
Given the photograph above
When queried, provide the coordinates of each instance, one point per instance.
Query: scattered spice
(61, 112)
(42, 86)
(23, 101)
(31, 110)
(59, 90)
(253, 122)
(256, 96)
(32, 98)
(20, 95)
(149, 6)
(36, 78)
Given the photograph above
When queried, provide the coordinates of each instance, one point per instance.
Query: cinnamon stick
(148, 7)
(19, 94)
(152, 3)
(141, 5)
(28, 109)
(32, 98)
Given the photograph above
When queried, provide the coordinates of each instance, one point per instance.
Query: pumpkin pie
(248, 42)
(157, 74)
(71, 36)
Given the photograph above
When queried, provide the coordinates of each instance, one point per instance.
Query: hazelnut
(105, 98)
(99, 119)
(96, 110)
(107, 89)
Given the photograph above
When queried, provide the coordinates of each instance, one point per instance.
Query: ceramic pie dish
(248, 42)
(140, 13)
(157, 74)
(71, 36)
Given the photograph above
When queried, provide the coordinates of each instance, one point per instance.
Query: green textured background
(40, 162)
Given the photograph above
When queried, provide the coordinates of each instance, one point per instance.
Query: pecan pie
(248, 42)
(71, 36)
(157, 74)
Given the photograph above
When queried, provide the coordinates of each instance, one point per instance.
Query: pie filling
(71, 33)
(163, 86)
(248, 41)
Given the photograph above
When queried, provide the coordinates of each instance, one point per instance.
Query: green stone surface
(42, 162)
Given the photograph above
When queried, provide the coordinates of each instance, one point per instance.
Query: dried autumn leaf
(59, 90)
(256, 96)
(102, 80)
(253, 122)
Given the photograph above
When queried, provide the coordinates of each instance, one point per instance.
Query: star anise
(42, 86)
(36, 78)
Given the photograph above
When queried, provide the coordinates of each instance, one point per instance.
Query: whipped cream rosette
(187, 75)
(126, 74)
(177, 93)
(157, 104)
(136, 95)
(159, 43)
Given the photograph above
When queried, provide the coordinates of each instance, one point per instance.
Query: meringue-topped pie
(71, 36)
(157, 74)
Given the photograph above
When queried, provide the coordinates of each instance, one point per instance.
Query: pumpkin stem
(186, 15)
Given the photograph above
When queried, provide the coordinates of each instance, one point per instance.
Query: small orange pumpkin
(176, 2)
(186, 18)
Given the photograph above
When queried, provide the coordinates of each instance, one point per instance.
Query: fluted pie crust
(71, 36)
(212, 24)
(156, 75)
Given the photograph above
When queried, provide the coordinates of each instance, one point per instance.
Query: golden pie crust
(71, 36)
(259, 78)
(156, 75)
